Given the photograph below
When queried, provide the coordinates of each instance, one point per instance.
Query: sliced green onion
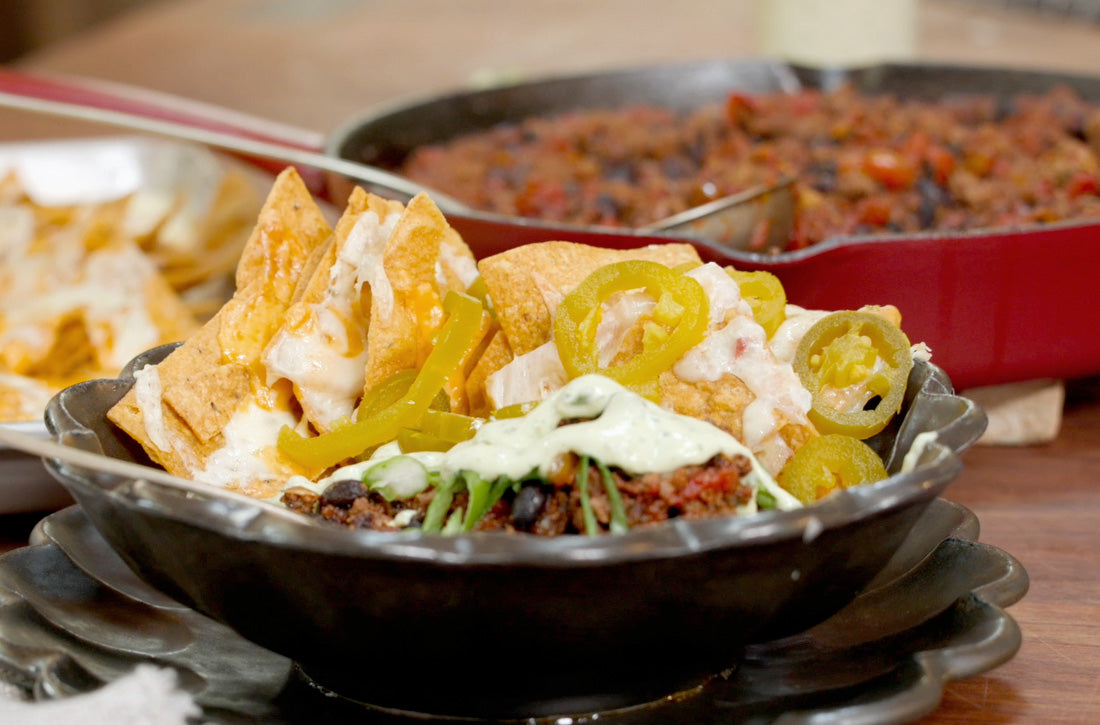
(399, 477)
(437, 509)
(454, 523)
(764, 499)
(619, 522)
(591, 527)
(483, 496)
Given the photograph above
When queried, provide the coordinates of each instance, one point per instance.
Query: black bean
(932, 198)
(512, 177)
(343, 493)
(822, 174)
(676, 167)
(697, 150)
(608, 206)
(527, 506)
(1005, 108)
(618, 170)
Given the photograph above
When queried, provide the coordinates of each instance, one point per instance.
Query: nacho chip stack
(763, 404)
(326, 321)
(321, 317)
(203, 412)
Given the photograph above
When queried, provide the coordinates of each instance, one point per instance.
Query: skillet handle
(155, 105)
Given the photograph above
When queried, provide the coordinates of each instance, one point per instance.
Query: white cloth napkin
(146, 696)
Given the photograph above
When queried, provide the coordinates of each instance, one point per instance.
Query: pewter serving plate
(503, 625)
(933, 614)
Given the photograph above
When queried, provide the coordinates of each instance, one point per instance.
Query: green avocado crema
(592, 416)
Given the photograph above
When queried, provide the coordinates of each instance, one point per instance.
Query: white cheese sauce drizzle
(615, 426)
(148, 394)
(247, 437)
(317, 357)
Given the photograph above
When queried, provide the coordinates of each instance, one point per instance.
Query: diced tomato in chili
(916, 146)
(978, 162)
(543, 199)
(1082, 183)
(739, 107)
(940, 163)
(805, 103)
(710, 479)
(874, 210)
(890, 168)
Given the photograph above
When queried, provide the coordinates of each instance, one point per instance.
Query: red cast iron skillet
(995, 306)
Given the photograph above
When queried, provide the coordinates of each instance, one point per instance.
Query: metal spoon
(758, 219)
(396, 185)
(100, 463)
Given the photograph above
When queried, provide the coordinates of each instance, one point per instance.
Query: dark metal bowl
(494, 624)
(996, 306)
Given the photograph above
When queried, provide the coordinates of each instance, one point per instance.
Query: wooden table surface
(314, 64)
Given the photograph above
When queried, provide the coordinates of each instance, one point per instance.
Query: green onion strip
(591, 527)
(483, 496)
(437, 509)
(619, 523)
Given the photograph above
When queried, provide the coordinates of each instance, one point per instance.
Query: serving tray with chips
(109, 245)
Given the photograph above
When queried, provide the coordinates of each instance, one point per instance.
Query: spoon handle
(46, 448)
(269, 142)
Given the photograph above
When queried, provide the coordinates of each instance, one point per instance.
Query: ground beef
(865, 164)
(553, 507)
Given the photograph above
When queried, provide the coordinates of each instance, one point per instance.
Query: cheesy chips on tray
(86, 285)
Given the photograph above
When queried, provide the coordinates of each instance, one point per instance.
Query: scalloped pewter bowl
(505, 625)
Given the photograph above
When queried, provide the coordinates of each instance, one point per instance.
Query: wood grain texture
(1042, 504)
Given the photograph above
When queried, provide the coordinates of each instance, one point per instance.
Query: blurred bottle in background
(836, 32)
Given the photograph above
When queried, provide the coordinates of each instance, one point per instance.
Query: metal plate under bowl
(933, 614)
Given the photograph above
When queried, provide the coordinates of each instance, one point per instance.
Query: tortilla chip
(218, 237)
(216, 377)
(203, 397)
(527, 283)
(143, 311)
(22, 398)
(80, 301)
(71, 351)
(279, 251)
(722, 403)
(407, 295)
(321, 348)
